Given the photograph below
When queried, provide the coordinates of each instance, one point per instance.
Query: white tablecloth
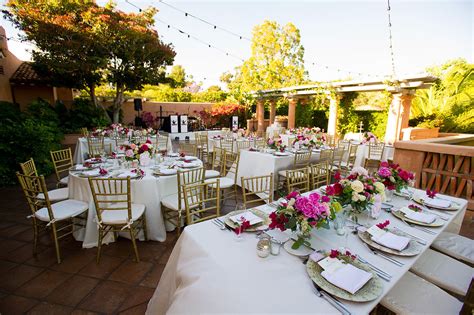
(210, 272)
(149, 191)
(82, 148)
(254, 163)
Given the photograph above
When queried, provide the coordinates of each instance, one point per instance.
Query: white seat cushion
(171, 202)
(211, 174)
(224, 182)
(121, 216)
(56, 194)
(282, 173)
(62, 210)
(64, 180)
(414, 295)
(456, 246)
(444, 271)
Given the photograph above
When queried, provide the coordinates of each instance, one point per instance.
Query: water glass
(340, 224)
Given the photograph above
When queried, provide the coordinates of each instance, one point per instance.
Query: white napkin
(418, 216)
(168, 171)
(80, 167)
(126, 174)
(91, 173)
(348, 278)
(249, 216)
(391, 240)
(436, 202)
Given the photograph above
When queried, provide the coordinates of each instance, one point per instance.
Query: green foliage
(178, 76)
(448, 104)
(33, 133)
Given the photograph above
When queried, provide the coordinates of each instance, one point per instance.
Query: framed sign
(183, 123)
(235, 122)
(174, 123)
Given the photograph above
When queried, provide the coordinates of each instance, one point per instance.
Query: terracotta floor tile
(50, 309)
(18, 276)
(13, 230)
(22, 254)
(73, 290)
(103, 269)
(150, 251)
(6, 266)
(106, 297)
(4, 225)
(14, 304)
(166, 255)
(122, 248)
(138, 296)
(8, 245)
(136, 310)
(83, 312)
(43, 285)
(73, 263)
(44, 258)
(152, 279)
(131, 272)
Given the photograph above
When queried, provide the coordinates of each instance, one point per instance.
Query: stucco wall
(10, 63)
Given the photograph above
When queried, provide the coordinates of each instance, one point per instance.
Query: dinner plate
(165, 172)
(281, 153)
(438, 222)
(128, 173)
(253, 228)
(188, 158)
(369, 292)
(94, 161)
(454, 205)
(302, 251)
(413, 248)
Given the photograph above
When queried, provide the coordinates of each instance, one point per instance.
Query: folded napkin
(249, 216)
(168, 171)
(392, 241)
(436, 202)
(418, 216)
(80, 167)
(126, 174)
(348, 278)
(91, 173)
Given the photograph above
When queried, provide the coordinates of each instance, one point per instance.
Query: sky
(341, 38)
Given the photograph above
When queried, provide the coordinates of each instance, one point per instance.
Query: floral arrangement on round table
(359, 190)
(317, 140)
(276, 144)
(138, 151)
(301, 142)
(369, 137)
(302, 214)
(304, 131)
(393, 176)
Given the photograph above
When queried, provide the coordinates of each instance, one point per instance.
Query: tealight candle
(263, 247)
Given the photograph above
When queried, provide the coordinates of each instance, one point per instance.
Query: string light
(133, 5)
(390, 38)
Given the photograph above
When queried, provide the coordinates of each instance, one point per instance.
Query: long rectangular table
(210, 272)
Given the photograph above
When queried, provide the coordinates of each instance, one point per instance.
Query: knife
(335, 303)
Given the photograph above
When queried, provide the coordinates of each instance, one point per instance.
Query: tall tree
(177, 76)
(276, 60)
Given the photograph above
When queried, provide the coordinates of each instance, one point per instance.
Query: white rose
(357, 186)
(362, 198)
(392, 179)
(355, 197)
(380, 187)
(291, 202)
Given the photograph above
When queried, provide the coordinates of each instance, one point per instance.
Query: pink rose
(129, 153)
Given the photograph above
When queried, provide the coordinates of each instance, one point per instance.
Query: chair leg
(145, 233)
(56, 243)
(35, 239)
(99, 244)
(134, 243)
(178, 223)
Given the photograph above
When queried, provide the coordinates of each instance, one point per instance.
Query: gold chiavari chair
(188, 148)
(84, 132)
(162, 142)
(57, 217)
(202, 202)
(346, 166)
(115, 210)
(336, 159)
(95, 146)
(28, 168)
(243, 144)
(203, 146)
(344, 143)
(227, 144)
(173, 205)
(330, 140)
(260, 143)
(320, 174)
(297, 179)
(374, 157)
(62, 162)
(326, 155)
(228, 180)
(301, 159)
(120, 141)
(217, 164)
(260, 186)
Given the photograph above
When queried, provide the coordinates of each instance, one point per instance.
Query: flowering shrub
(220, 113)
(357, 190)
(393, 176)
(302, 213)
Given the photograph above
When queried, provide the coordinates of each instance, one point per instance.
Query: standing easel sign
(183, 123)
(235, 122)
(174, 124)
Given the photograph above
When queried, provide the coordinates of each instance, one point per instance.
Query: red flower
(330, 190)
(278, 221)
(384, 164)
(337, 176)
(148, 141)
(431, 193)
(292, 194)
(334, 253)
(337, 188)
(383, 225)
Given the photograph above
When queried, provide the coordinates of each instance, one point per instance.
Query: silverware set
(415, 238)
(382, 274)
(220, 224)
(386, 257)
(330, 299)
(419, 228)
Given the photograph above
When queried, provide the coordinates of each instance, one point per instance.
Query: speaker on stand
(137, 104)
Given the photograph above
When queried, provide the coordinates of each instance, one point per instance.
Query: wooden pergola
(402, 91)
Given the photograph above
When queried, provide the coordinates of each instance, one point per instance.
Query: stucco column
(332, 121)
(260, 116)
(272, 111)
(292, 112)
(398, 115)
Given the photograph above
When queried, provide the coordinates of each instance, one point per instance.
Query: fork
(419, 228)
(388, 258)
(382, 274)
(218, 224)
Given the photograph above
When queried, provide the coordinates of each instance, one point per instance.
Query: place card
(330, 265)
(375, 231)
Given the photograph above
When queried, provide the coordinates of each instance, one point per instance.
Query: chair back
(188, 177)
(96, 146)
(337, 156)
(120, 141)
(262, 186)
(161, 142)
(188, 147)
(330, 140)
(260, 143)
(344, 143)
(243, 144)
(302, 158)
(32, 186)
(111, 194)
(29, 168)
(203, 140)
(227, 144)
(140, 139)
(218, 160)
(376, 151)
(326, 155)
(231, 165)
(84, 132)
(62, 161)
(319, 174)
(351, 157)
(297, 179)
(202, 201)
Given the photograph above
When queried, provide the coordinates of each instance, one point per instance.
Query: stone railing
(442, 164)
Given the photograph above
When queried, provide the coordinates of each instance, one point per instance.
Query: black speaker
(137, 102)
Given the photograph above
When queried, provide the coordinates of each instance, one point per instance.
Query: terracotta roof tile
(26, 74)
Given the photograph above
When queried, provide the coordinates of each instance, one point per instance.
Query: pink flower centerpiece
(393, 176)
(302, 214)
(133, 151)
(276, 144)
(369, 137)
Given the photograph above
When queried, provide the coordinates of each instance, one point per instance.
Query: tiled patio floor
(78, 285)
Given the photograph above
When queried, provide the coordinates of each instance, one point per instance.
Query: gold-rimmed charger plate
(412, 249)
(253, 228)
(369, 292)
(454, 205)
(437, 223)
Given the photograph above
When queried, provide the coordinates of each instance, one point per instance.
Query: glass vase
(340, 223)
(388, 195)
